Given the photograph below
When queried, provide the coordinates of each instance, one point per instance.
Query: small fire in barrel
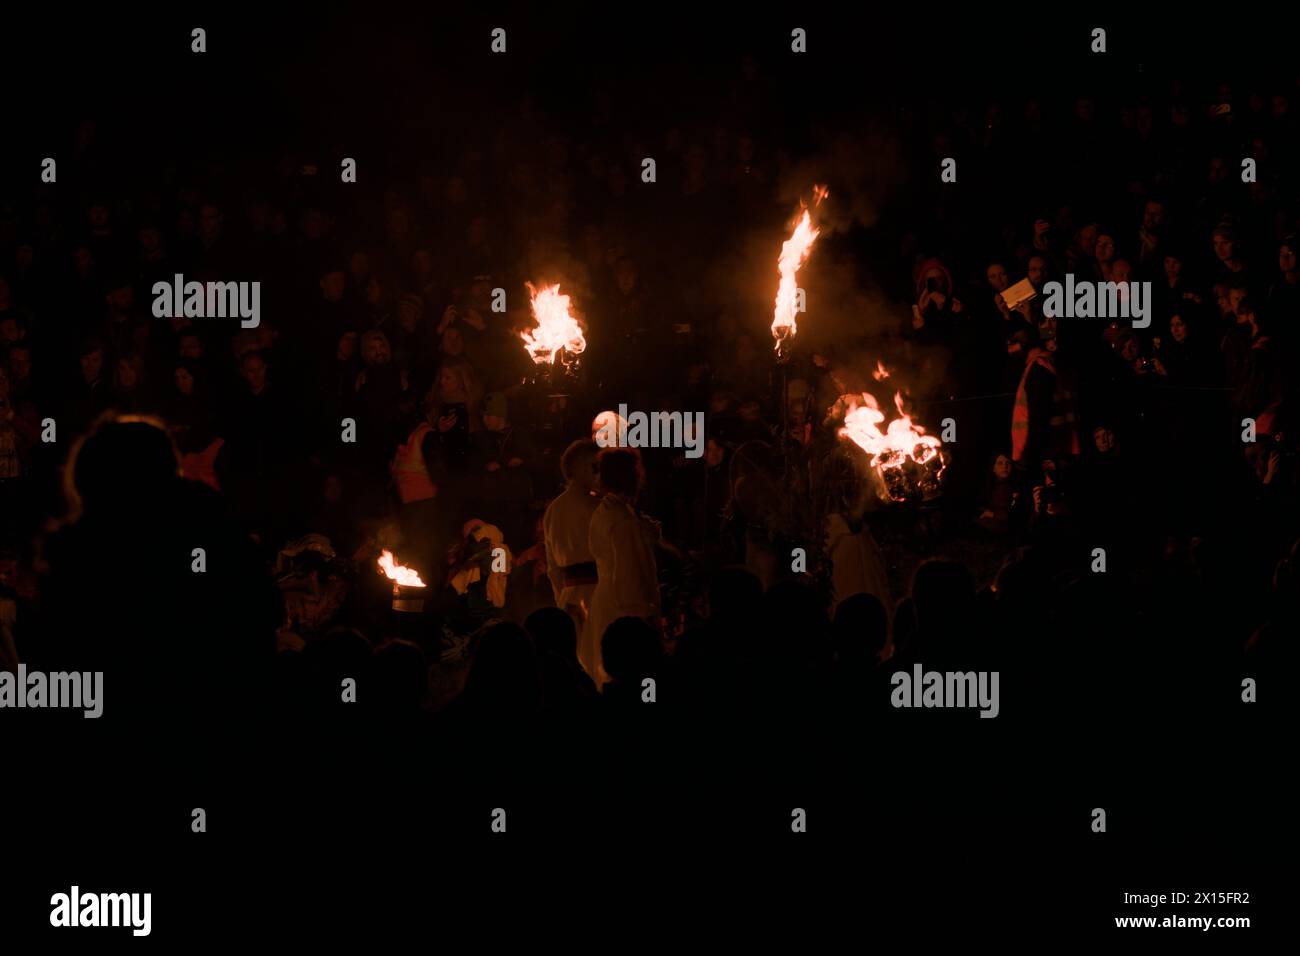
(408, 586)
(558, 338)
(908, 462)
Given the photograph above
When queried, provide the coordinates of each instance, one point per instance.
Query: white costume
(623, 544)
(564, 529)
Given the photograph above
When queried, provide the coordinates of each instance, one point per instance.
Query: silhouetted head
(553, 632)
(860, 629)
(401, 676)
(631, 650)
(125, 461)
(503, 677)
(734, 593)
(620, 471)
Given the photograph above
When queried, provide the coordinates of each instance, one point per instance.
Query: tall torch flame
(908, 461)
(794, 253)
(557, 330)
(399, 575)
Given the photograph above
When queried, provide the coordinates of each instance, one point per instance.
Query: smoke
(862, 170)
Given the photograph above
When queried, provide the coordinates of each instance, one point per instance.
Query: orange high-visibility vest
(409, 470)
(1063, 417)
(201, 465)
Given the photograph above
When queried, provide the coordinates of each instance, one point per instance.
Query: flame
(794, 253)
(399, 575)
(890, 452)
(881, 373)
(557, 330)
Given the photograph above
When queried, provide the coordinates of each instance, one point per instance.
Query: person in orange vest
(1043, 419)
(202, 465)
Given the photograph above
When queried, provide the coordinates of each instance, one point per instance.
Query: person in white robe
(623, 543)
(570, 565)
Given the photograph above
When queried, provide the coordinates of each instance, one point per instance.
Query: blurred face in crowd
(449, 384)
(1105, 248)
(1037, 271)
(184, 381)
(1173, 269)
(253, 370)
(422, 265)
(126, 374)
(1223, 247)
(1152, 216)
(1178, 328)
(399, 223)
(1235, 297)
(359, 266)
(1221, 299)
(1088, 239)
(347, 346)
(332, 284)
(626, 277)
(92, 364)
(1286, 258)
(191, 347)
(408, 316)
(209, 222)
(20, 363)
(478, 231)
(377, 351)
(1121, 271)
(1129, 350)
(1104, 439)
(121, 300)
(150, 239)
(936, 278)
(997, 277)
(714, 453)
(1002, 468)
(452, 343)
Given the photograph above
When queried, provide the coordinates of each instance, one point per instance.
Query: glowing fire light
(612, 424)
(881, 373)
(794, 253)
(557, 330)
(908, 461)
(399, 575)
